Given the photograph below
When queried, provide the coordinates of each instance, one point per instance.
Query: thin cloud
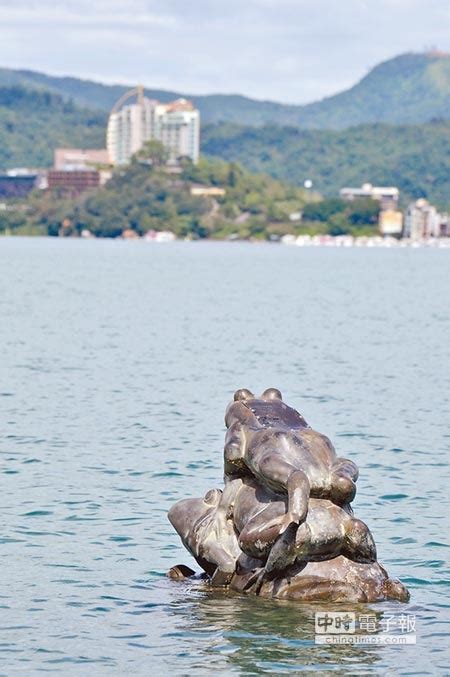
(289, 50)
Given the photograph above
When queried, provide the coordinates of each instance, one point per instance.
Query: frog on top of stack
(283, 525)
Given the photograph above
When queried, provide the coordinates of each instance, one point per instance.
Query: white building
(386, 195)
(176, 125)
(207, 191)
(423, 221)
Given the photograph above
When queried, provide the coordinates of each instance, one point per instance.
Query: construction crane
(136, 91)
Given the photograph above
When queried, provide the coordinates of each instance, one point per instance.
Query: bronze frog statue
(283, 525)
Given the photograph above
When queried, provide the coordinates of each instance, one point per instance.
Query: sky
(294, 51)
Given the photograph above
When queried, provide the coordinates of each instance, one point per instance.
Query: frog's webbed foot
(283, 551)
(282, 555)
(256, 580)
(179, 572)
(221, 579)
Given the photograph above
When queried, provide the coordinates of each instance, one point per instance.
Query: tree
(323, 211)
(364, 212)
(152, 153)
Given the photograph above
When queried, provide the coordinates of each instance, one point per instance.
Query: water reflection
(263, 635)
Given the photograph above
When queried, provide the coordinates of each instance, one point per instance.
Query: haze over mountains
(410, 88)
(391, 127)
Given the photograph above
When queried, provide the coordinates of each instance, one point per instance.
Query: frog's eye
(212, 497)
(243, 394)
(272, 394)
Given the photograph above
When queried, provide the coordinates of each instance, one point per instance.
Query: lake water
(117, 362)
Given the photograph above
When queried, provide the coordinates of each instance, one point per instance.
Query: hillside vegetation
(410, 88)
(33, 123)
(144, 196)
(414, 158)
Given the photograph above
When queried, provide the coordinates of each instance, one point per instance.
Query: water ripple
(117, 363)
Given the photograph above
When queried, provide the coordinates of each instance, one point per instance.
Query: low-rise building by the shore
(390, 222)
(18, 183)
(387, 196)
(67, 160)
(207, 191)
(73, 182)
(72, 159)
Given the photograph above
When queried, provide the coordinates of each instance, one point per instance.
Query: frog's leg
(233, 453)
(226, 564)
(273, 468)
(359, 545)
(221, 579)
(282, 555)
(256, 540)
(343, 476)
(260, 533)
(346, 467)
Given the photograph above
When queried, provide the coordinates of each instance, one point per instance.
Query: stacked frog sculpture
(283, 525)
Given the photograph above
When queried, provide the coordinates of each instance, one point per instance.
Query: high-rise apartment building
(176, 125)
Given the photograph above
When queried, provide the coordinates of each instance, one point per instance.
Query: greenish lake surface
(117, 362)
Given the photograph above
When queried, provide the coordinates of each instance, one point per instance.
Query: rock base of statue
(335, 580)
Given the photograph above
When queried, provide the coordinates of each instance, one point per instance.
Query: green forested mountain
(84, 93)
(415, 158)
(410, 88)
(33, 123)
(95, 95)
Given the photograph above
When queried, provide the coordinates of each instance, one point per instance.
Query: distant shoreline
(302, 242)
